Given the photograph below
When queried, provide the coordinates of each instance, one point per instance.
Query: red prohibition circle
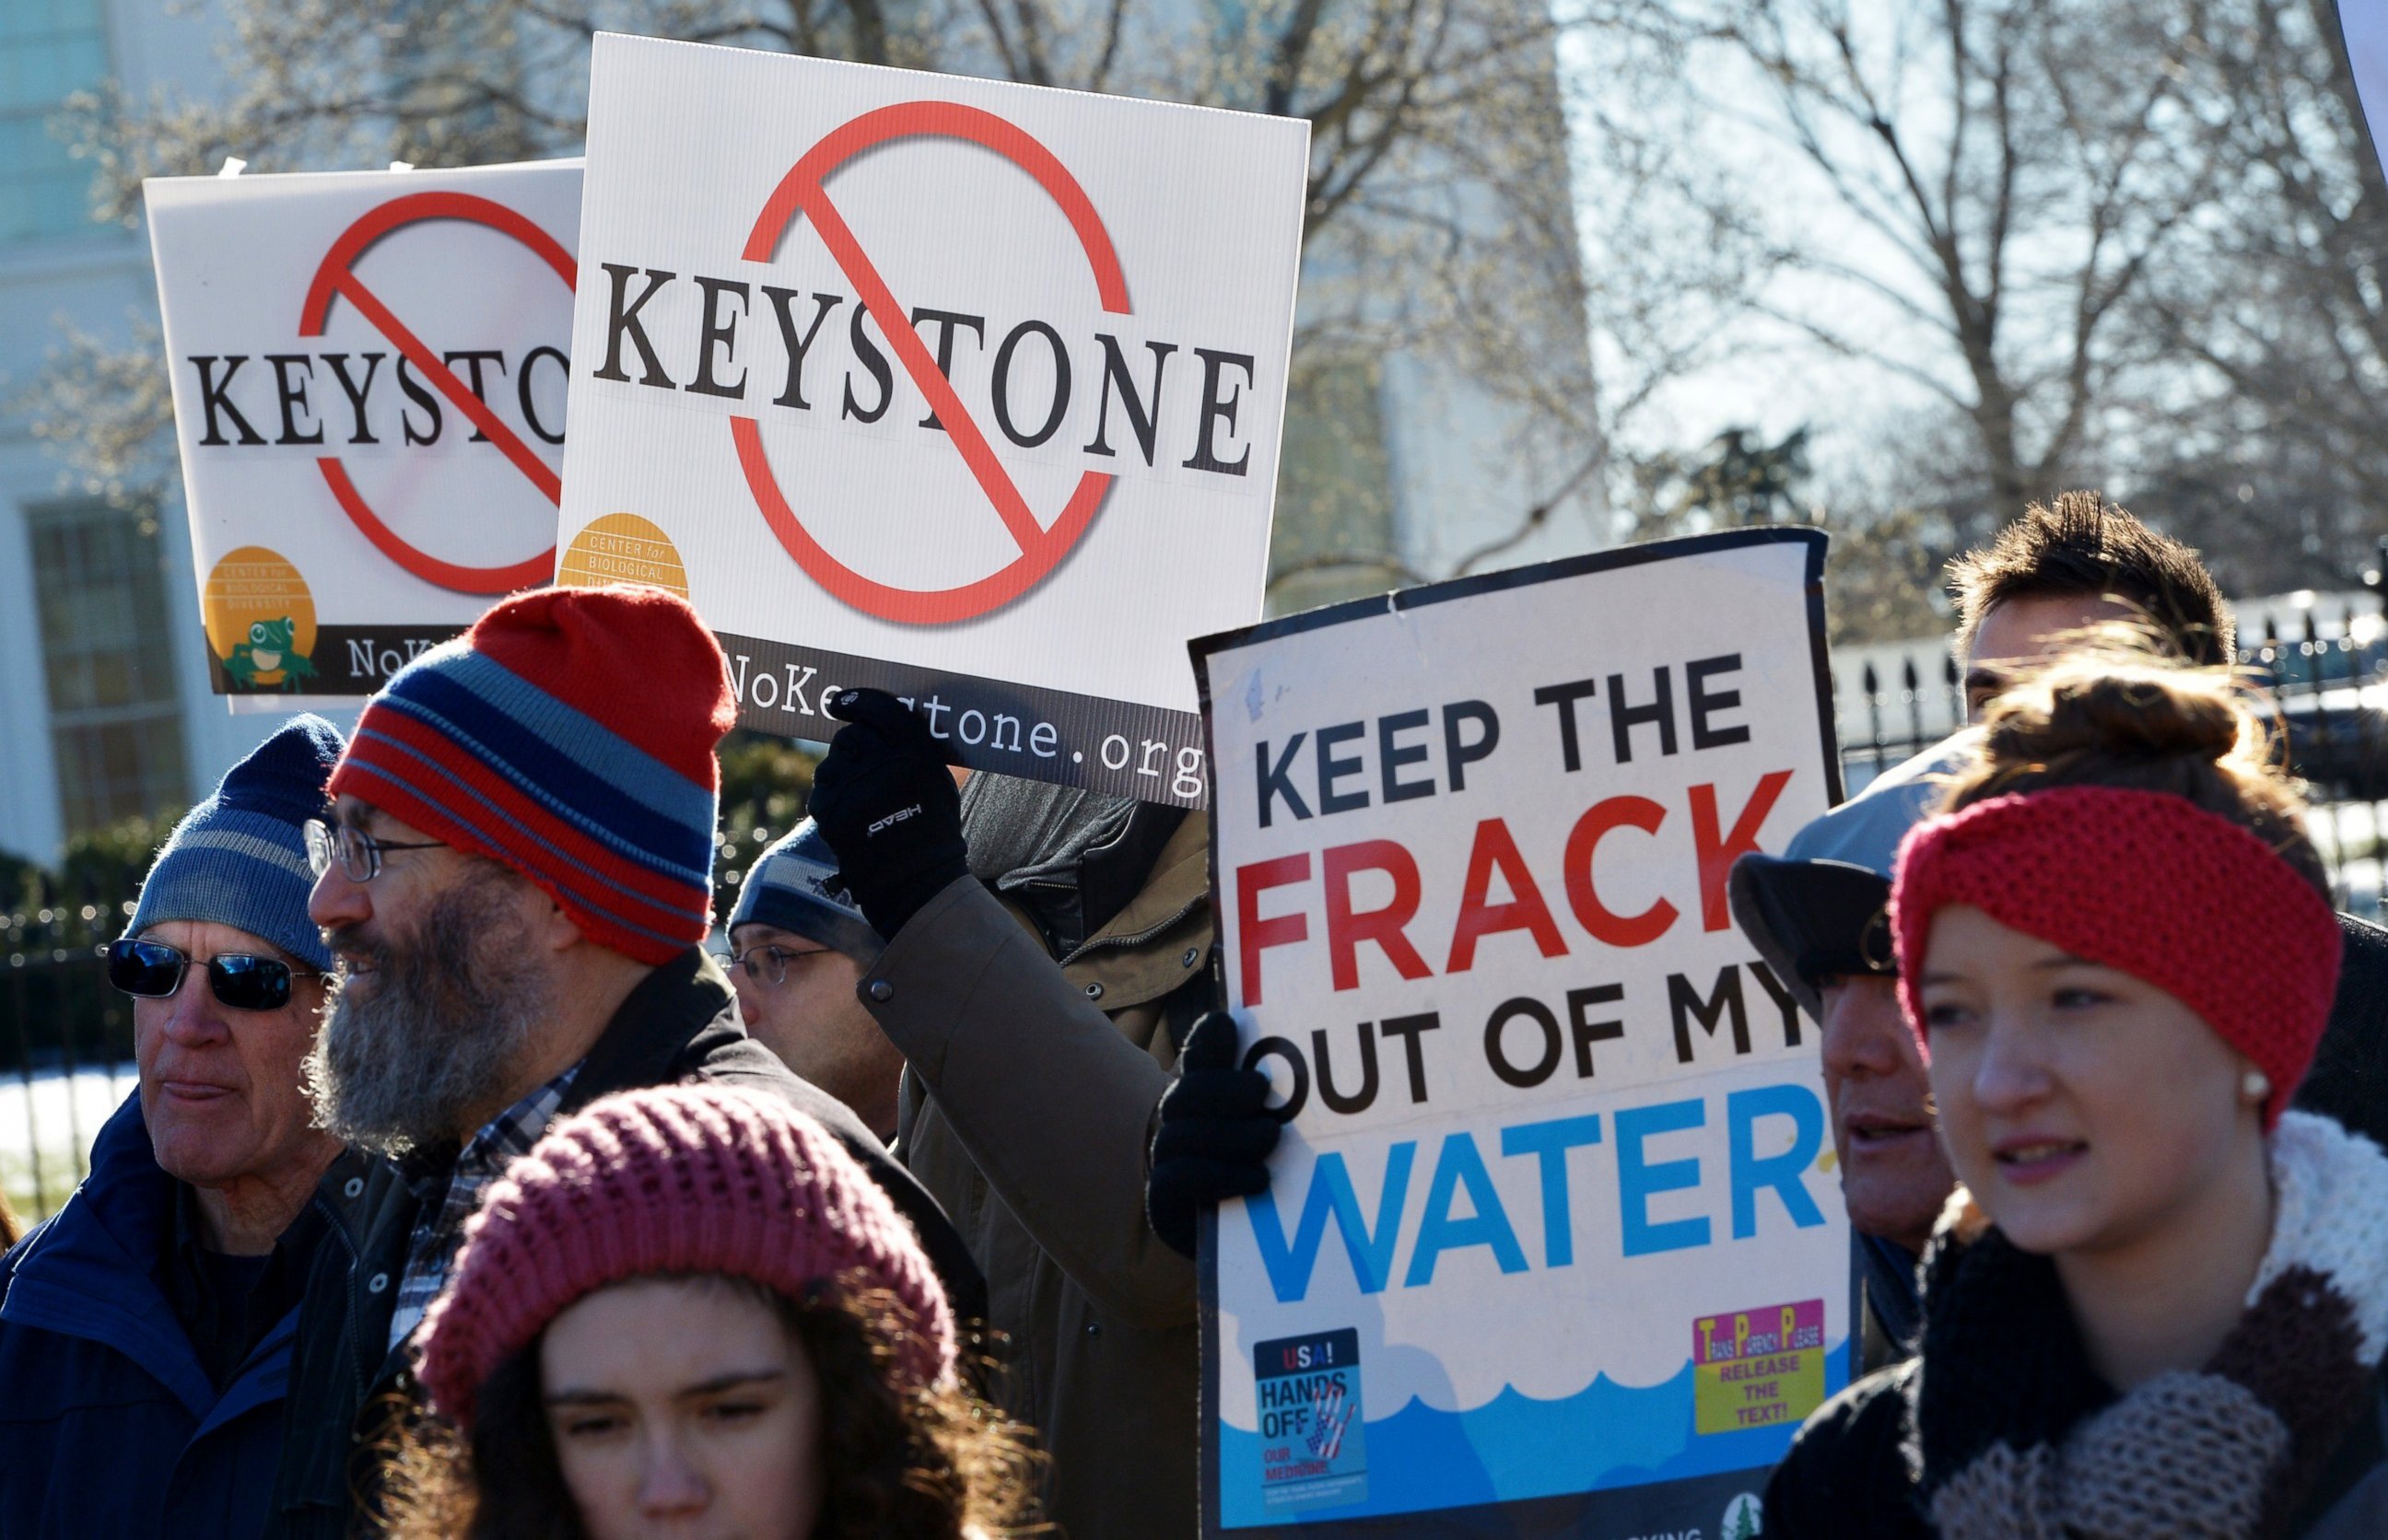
(801, 193)
(336, 277)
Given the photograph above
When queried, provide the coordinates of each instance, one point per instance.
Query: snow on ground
(55, 1116)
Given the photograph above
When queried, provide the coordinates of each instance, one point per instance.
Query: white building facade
(104, 707)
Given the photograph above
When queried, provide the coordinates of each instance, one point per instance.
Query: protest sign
(2364, 32)
(1554, 1232)
(965, 390)
(369, 377)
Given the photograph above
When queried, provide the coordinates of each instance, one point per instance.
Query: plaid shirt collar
(512, 1133)
(449, 1198)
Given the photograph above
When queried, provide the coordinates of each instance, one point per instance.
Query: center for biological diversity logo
(623, 548)
(260, 620)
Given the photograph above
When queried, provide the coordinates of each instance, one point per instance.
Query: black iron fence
(65, 1041)
(1897, 711)
(2330, 682)
(2324, 663)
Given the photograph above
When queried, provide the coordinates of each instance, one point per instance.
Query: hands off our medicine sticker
(1755, 1368)
(1313, 1441)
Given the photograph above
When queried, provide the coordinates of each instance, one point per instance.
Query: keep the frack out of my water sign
(369, 377)
(966, 390)
(1554, 1223)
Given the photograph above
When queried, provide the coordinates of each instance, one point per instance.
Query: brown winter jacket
(1027, 1113)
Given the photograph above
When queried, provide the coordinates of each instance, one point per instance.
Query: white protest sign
(2364, 30)
(966, 390)
(1554, 1223)
(369, 376)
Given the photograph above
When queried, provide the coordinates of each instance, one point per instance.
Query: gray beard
(451, 1015)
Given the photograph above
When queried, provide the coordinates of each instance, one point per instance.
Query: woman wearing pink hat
(688, 1310)
(2157, 1304)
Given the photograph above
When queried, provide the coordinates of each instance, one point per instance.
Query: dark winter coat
(2348, 1082)
(110, 1426)
(2000, 1427)
(1847, 1478)
(679, 1025)
(1028, 1111)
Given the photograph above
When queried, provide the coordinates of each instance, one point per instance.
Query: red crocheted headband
(2146, 882)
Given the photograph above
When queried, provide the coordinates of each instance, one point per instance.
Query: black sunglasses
(154, 971)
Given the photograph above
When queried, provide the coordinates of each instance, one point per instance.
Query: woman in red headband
(2157, 1303)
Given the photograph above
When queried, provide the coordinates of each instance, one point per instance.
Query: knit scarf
(2011, 1434)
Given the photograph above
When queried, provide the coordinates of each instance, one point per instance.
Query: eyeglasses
(358, 853)
(154, 971)
(771, 967)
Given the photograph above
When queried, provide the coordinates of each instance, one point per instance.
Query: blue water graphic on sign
(1515, 1447)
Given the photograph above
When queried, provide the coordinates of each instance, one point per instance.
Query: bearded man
(515, 880)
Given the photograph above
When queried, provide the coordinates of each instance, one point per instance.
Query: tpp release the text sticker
(1754, 1368)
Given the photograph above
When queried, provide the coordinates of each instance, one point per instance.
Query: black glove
(1215, 1135)
(888, 804)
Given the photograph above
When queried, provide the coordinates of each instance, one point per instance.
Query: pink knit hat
(672, 1180)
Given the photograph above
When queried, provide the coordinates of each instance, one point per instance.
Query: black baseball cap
(1818, 910)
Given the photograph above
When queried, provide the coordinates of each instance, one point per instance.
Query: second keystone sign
(966, 390)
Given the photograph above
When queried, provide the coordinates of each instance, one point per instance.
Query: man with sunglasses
(798, 945)
(145, 1329)
(516, 879)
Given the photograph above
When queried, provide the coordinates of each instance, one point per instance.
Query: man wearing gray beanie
(146, 1329)
(798, 943)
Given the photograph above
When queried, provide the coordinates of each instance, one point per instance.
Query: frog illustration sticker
(260, 622)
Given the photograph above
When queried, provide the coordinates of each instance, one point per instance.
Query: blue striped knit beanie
(794, 887)
(570, 734)
(240, 857)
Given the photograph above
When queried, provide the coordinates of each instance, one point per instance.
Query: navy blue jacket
(108, 1425)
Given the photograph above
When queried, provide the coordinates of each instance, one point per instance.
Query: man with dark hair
(2075, 562)
(2081, 561)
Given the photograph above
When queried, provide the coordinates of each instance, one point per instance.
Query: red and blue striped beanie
(570, 734)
